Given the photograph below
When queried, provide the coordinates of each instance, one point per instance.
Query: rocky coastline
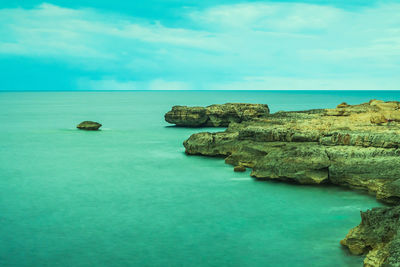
(356, 146)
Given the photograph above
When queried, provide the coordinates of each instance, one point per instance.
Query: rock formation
(338, 146)
(239, 168)
(89, 126)
(215, 115)
(356, 146)
(378, 235)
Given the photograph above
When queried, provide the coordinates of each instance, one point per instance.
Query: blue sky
(231, 45)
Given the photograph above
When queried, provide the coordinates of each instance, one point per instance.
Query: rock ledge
(215, 115)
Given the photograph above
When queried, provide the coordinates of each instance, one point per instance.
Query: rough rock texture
(339, 146)
(89, 126)
(239, 168)
(215, 115)
(345, 146)
(378, 235)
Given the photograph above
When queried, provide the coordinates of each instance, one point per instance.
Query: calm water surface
(129, 196)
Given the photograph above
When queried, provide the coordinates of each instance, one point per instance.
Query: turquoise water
(129, 196)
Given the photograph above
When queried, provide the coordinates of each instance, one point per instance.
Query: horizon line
(197, 90)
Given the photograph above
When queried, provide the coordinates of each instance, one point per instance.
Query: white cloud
(270, 16)
(76, 28)
(326, 47)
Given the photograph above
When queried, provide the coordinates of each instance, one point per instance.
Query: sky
(199, 45)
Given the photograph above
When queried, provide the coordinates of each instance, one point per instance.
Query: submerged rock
(89, 126)
(356, 146)
(215, 115)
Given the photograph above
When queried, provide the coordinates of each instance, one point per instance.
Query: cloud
(283, 45)
(114, 84)
(48, 31)
(275, 17)
(54, 31)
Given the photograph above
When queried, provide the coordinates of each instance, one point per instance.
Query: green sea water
(129, 196)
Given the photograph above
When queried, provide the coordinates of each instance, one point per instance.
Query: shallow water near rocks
(129, 196)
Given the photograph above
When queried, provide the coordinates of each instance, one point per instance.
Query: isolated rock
(89, 126)
(215, 115)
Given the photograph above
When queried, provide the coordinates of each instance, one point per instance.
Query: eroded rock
(377, 236)
(312, 147)
(89, 126)
(215, 115)
(239, 168)
(356, 146)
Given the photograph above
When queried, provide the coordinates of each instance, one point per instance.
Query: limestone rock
(342, 105)
(391, 105)
(185, 116)
(305, 163)
(378, 119)
(337, 112)
(89, 126)
(309, 147)
(377, 236)
(389, 192)
(392, 116)
(239, 168)
(374, 102)
(350, 146)
(215, 115)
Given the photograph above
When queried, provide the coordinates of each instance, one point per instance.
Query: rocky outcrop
(89, 126)
(356, 146)
(378, 235)
(215, 115)
(314, 147)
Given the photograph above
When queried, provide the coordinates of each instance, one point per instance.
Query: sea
(129, 196)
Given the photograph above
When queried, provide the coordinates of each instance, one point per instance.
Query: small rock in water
(239, 168)
(89, 126)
